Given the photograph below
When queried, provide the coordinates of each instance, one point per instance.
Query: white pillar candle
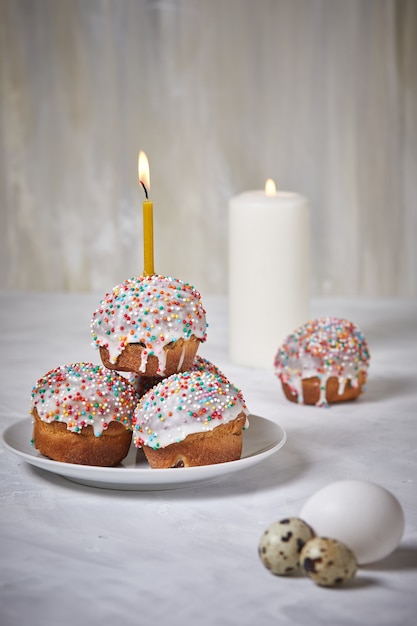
(269, 278)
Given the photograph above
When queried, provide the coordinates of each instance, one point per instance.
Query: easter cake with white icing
(323, 361)
(190, 419)
(152, 325)
(82, 414)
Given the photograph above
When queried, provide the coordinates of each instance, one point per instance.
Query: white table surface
(73, 554)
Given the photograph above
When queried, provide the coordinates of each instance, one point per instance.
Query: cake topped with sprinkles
(162, 317)
(325, 350)
(185, 404)
(83, 394)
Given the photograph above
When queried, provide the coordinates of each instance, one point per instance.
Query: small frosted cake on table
(152, 325)
(82, 414)
(189, 419)
(323, 361)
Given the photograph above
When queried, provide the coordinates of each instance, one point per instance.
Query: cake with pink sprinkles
(323, 361)
(190, 419)
(152, 325)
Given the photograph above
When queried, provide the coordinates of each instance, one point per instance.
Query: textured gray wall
(321, 95)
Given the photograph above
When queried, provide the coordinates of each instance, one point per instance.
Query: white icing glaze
(324, 348)
(183, 404)
(151, 310)
(83, 394)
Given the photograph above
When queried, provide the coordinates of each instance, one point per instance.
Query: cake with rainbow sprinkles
(150, 324)
(190, 419)
(323, 361)
(82, 414)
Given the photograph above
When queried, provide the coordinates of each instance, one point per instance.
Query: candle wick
(145, 190)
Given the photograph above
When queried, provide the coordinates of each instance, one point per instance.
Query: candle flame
(270, 187)
(143, 170)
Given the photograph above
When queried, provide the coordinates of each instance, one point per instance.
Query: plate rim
(122, 477)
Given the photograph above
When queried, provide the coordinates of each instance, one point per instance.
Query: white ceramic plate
(260, 440)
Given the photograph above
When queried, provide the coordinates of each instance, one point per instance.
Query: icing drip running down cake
(189, 419)
(323, 361)
(150, 324)
(82, 414)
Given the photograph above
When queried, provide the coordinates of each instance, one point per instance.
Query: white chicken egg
(363, 515)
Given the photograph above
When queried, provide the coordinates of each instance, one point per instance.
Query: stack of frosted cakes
(152, 384)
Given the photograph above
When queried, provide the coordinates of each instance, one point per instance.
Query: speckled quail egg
(281, 544)
(328, 562)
